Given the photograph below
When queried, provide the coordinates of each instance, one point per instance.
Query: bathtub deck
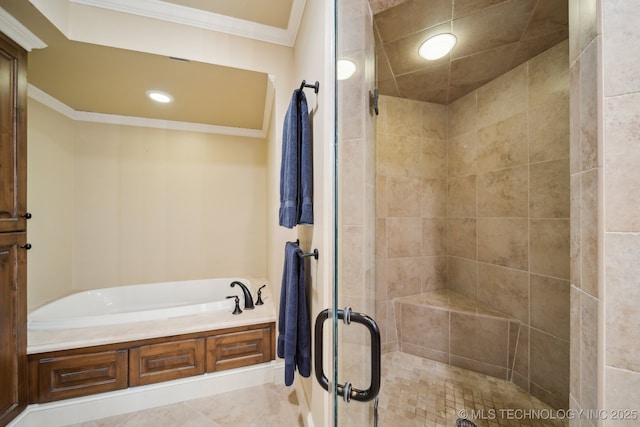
(45, 341)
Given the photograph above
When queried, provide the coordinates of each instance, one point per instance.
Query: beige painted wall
(140, 205)
(49, 197)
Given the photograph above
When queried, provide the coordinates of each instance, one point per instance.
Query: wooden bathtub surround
(448, 327)
(84, 371)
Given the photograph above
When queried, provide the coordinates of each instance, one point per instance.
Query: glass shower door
(356, 336)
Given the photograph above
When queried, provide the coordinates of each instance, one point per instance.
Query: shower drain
(463, 422)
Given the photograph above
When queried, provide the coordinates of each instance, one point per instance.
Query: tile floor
(414, 392)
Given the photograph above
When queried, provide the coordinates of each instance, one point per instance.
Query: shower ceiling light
(345, 69)
(159, 96)
(437, 46)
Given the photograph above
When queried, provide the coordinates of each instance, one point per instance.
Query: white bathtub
(135, 303)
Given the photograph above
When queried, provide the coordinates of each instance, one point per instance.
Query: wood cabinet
(72, 376)
(166, 361)
(80, 372)
(13, 260)
(236, 349)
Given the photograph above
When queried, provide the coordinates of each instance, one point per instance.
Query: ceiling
(89, 78)
(494, 36)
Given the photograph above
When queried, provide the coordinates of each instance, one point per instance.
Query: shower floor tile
(422, 392)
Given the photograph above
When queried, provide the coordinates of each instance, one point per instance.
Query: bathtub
(136, 303)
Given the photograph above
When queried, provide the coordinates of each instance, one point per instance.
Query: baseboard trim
(83, 409)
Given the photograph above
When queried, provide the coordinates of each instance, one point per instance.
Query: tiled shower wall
(605, 239)
(481, 206)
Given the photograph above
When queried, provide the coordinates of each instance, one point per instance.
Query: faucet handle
(237, 309)
(260, 302)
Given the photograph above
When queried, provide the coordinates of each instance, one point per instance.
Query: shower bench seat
(451, 328)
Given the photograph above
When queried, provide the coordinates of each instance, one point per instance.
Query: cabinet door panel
(167, 361)
(233, 350)
(13, 339)
(13, 128)
(72, 376)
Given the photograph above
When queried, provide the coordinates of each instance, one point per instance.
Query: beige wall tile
(403, 196)
(521, 362)
(622, 391)
(461, 197)
(404, 117)
(503, 144)
(504, 289)
(588, 352)
(434, 120)
(462, 154)
(434, 236)
(622, 157)
(549, 247)
(503, 97)
(352, 272)
(549, 76)
(621, 72)
(550, 310)
(481, 367)
(381, 196)
(462, 115)
(575, 132)
(434, 273)
(574, 30)
(588, 108)
(575, 231)
(503, 241)
(589, 234)
(462, 276)
(352, 181)
(549, 131)
(622, 300)
(588, 22)
(434, 198)
(403, 277)
(404, 237)
(574, 344)
(435, 336)
(434, 158)
(479, 338)
(550, 364)
(549, 189)
(461, 238)
(399, 155)
(503, 193)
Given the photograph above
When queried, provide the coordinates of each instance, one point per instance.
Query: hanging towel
(294, 331)
(296, 169)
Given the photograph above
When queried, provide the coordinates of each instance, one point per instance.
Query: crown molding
(13, 29)
(156, 9)
(114, 119)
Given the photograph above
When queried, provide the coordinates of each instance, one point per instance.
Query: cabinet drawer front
(79, 375)
(238, 349)
(167, 361)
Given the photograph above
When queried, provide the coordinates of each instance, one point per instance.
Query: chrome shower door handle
(346, 390)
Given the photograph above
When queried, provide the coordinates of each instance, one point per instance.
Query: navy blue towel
(294, 330)
(296, 169)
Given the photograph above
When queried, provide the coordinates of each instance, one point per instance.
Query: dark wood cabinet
(84, 371)
(73, 376)
(236, 349)
(166, 361)
(13, 260)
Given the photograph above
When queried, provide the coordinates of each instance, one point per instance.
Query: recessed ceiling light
(437, 46)
(159, 96)
(345, 69)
